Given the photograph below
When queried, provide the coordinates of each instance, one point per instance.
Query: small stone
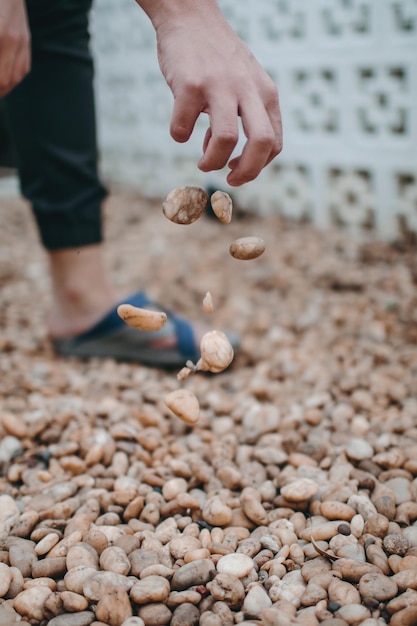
(222, 206)
(184, 205)
(359, 449)
(73, 602)
(377, 586)
(185, 405)
(237, 564)
(299, 490)
(342, 592)
(177, 598)
(208, 303)
(216, 512)
(46, 544)
(255, 601)
(334, 510)
(353, 570)
(30, 602)
(155, 614)
(395, 544)
(180, 546)
(406, 579)
(114, 606)
(227, 588)
(400, 487)
(353, 613)
(191, 574)
(173, 487)
(9, 514)
(5, 579)
(10, 447)
(150, 589)
(185, 615)
(142, 319)
(247, 248)
(216, 352)
(405, 617)
(114, 559)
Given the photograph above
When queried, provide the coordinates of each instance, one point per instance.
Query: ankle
(81, 290)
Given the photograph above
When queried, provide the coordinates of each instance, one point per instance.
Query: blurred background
(347, 76)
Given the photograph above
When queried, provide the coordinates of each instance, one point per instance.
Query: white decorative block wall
(347, 76)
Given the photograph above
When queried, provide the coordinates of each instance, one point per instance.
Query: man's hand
(14, 44)
(210, 70)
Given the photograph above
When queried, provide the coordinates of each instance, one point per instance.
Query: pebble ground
(293, 500)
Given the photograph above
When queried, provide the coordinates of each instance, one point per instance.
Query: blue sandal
(112, 338)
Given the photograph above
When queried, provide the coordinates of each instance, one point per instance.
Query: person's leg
(53, 123)
(52, 116)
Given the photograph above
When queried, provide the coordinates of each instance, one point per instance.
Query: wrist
(168, 12)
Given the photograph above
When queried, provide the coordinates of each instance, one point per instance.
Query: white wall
(347, 75)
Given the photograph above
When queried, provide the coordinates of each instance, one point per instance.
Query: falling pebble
(247, 248)
(142, 319)
(184, 205)
(184, 373)
(184, 403)
(208, 303)
(216, 352)
(221, 203)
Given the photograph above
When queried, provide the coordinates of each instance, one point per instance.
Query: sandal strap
(112, 321)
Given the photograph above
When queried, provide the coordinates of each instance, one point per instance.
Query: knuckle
(248, 176)
(264, 140)
(277, 148)
(193, 87)
(272, 93)
(227, 138)
(14, 38)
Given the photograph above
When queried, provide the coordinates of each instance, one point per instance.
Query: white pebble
(237, 564)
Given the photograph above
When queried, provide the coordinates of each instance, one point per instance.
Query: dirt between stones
(293, 499)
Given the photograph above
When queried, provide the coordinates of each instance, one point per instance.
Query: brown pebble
(395, 544)
(184, 205)
(194, 573)
(185, 405)
(155, 614)
(377, 586)
(50, 567)
(405, 617)
(221, 203)
(247, 248)
(114, 606)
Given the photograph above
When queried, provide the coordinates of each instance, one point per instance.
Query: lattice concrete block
(351, 200)
(314, 97)
(403, 18)
(383, 100)
(406, 199)
(341, 19)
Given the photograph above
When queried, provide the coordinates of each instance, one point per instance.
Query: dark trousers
(52, 118)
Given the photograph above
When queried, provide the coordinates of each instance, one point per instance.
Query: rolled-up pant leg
(52, 117)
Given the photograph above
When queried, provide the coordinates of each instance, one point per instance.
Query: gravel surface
(292, 500)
